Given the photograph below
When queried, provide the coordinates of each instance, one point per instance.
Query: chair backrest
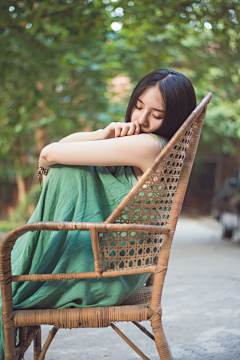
(155, 200)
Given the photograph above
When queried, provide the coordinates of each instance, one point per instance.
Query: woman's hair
(178, 96)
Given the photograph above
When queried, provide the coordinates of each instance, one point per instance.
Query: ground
(201, 305)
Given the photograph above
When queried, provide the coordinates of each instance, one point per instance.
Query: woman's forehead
(152, 97)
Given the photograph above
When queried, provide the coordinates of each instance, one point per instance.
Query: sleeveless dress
(78, 194)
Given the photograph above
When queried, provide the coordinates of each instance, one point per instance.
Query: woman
(90, 174)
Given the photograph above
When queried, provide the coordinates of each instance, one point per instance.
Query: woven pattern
(129, 249)
(143, 296)
(150, 206)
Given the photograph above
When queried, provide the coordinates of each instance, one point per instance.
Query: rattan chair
(128, 242)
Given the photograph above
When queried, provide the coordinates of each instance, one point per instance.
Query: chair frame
(29, 321)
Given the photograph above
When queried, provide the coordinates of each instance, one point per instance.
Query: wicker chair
(128, 242)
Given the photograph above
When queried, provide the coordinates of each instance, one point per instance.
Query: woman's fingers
(119, 130)
(129, 129)
(137, 129)
(124, 130)
(132, 129)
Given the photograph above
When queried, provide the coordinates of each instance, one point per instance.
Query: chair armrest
(10, 239)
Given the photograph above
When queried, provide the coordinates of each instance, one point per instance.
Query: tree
(57, 58)
(52, 79)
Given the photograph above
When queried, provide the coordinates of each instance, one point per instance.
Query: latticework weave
(150, 205)
(143, 296)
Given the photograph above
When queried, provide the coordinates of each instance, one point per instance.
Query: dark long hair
(178, 96)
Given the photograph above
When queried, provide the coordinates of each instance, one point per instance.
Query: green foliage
(57, 57)
(24, 210)
(8, 225)
(48, 68)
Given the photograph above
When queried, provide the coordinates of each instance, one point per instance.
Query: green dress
(78, 194)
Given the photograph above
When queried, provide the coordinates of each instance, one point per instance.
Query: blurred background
(70, 65)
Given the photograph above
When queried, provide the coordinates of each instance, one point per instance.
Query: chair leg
(143, 329)
(50, 337)
(11, 352)
(23, 333)
(160, 339)
(26, 336)
(129, 342)
(37, 345)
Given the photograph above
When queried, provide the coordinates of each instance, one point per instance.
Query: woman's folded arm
(82, 136)
(139, 151)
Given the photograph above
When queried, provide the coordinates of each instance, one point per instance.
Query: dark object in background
(226, 205)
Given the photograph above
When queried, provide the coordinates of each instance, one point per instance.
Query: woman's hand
(118, 129)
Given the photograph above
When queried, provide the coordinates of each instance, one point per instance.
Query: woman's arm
(82, 136)
(114, 129)
(139, 151)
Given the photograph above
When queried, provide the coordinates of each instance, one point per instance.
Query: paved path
(201, 305)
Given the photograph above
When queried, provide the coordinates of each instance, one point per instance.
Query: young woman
(90, 173)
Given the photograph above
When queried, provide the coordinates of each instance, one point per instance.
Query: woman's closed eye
(140, 106)
(156, 117)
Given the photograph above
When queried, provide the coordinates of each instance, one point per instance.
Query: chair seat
(81, 317)
(143, 296)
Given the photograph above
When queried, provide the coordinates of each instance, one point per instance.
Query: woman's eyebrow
(160, 110)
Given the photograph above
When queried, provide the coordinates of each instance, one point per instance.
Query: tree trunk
(40, 138)
(21, 188)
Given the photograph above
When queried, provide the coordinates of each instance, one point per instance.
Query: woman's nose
(142, 118)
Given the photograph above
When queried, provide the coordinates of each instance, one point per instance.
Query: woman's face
(149, 110)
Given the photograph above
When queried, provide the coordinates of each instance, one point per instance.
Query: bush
(25, 209)
(8, 225)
